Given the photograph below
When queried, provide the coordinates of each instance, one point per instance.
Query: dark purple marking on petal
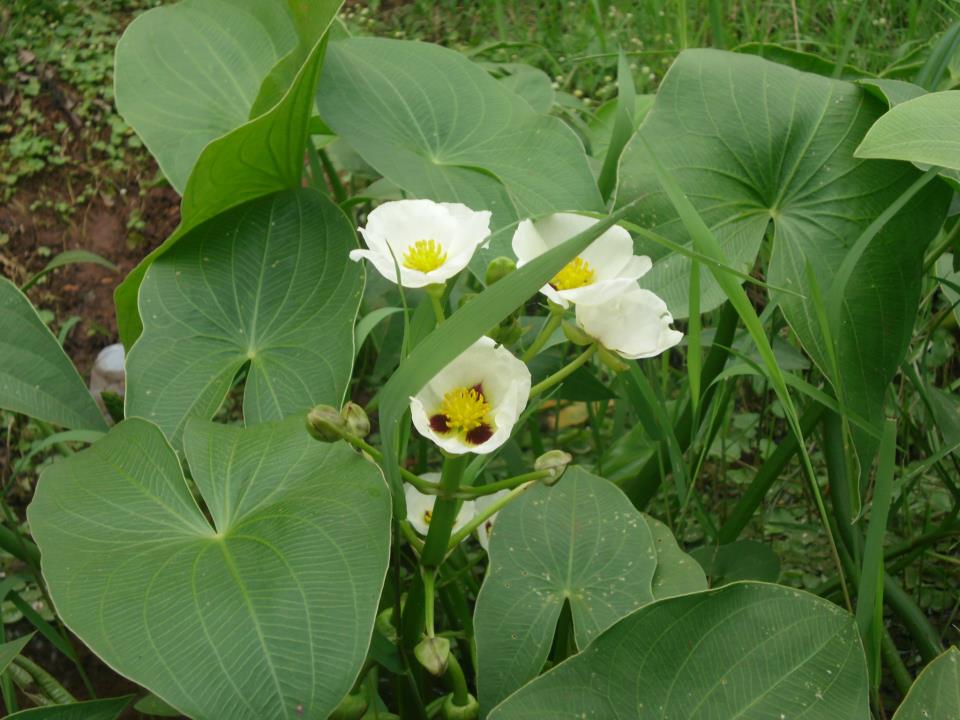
(440, 423)
(478, 389)
(479, 434)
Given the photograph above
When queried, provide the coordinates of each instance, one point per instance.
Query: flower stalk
(562, 374)
(490, 510)
(444, 513)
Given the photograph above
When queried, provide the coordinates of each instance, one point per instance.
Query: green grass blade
(870, 590)
(622, 127)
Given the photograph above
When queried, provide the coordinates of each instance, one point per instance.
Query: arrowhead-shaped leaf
(221, 91)
(580, 542)
(264, 614)
(746, 651)
(36, 376)
(753, 143)
(936, 691)
(438, 126)
(267, 285)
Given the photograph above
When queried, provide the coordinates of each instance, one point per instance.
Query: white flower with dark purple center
(420, 508)
(634, 324)
(605, 269)
(473, 403)
(481, 504)
(430, 242)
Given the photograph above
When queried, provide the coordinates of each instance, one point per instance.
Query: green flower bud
(575, 334)
(384, 623)
(554, 461)
(352, 707)
(356, 419)
(433, 653)
(470, 711)
(325, 424)
(499, 268)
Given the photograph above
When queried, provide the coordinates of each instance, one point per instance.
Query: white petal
(527, 243)
(635, 324)
(394, 226)
(482, 503)
(506, 383)
(417, 504)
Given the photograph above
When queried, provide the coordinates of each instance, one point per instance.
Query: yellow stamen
(465, 409)
(427, 516)
(424, 255)
(576, 273)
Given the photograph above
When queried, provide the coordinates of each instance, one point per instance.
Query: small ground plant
(456, 396)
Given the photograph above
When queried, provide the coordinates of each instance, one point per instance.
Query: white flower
(420, 507)
(430, 242)
(473, 403)
(481, 504)
(603, 270)
(634, 324)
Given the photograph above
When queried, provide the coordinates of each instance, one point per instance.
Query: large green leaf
(108, 709)
(36, 376)
(438, 126)
(267, 285)
(752, 143)
(192, 81)
(581, 542)
(265, 613)
(746, 651)
(936, 691)
(924, 130)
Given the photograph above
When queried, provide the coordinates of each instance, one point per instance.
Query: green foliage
(36, 377)
(924, 129)
(235, 163)
(747, 650)
(91, 710)
(263, 608)
(754, 144)
(266, 287)
(580, 543)
(936, 691)
(468, 139)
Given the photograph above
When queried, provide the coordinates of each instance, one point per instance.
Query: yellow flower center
(575, 273)
(465, 409)
(424, 255)
(427, 516)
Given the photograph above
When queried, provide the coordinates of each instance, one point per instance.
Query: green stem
(429, 598)
(562, 374)
(551, 324)
(508, 484)
(444, 512)
(487, 513)
(424, 486)
(436, 296)
(457, 680)
(338, 190)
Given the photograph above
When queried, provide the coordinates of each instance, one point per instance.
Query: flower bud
(499, 268)
(356, 419)
(554, 461)
(470, 711)
(325, 424)
(433, 653)
(352, 707)
(575, 334)
(384, 623)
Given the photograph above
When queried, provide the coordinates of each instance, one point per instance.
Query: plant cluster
(423, 352)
